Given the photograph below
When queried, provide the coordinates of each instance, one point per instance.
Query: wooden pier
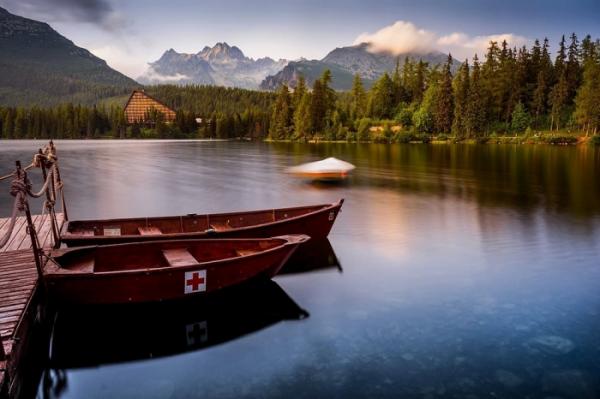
(18, 288)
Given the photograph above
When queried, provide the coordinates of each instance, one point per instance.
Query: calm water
(468, 271)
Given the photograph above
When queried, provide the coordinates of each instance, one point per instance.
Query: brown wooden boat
(315, 221)
(162, 270)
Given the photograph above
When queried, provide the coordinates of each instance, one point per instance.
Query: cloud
(155, 77)
(399, 38)
(464, 46)
(97, 12)
(405, 37)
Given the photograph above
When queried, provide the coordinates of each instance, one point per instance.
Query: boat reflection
(312, 256)
(105, 335)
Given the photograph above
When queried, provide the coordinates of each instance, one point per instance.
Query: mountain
(344, 63)
(221, 65)
(40, 66)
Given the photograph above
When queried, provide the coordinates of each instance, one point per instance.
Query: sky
(130, 33)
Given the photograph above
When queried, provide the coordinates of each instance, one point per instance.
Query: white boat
(329, 169)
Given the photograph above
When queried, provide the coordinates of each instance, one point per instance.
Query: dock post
(50, 198)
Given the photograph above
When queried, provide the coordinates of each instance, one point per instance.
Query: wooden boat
(86, 336)
(162, 270)
(315, 221)
(328, 170)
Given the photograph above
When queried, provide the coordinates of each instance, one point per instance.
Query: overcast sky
(129, 34)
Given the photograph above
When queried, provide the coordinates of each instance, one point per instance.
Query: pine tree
(461, 95)
(573, 68)
(281, 116)
(520, 118)
(490, 84)
(299, 91)
(475, 120)
(538, 104)
(418, 81)
(587, 111)
(444, 110)
(399, 91)
(302, 117)
(359, 99)
(381, 104)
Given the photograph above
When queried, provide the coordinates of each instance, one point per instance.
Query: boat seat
(85, 233)
(245, 252)
(220, 226)
(149, 231)
(179, 257)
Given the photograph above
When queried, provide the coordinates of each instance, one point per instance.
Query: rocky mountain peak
(222, 52)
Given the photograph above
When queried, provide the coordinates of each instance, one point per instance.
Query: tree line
(511, 91)
(224, 113)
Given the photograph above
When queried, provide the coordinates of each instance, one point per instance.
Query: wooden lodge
(140, 104)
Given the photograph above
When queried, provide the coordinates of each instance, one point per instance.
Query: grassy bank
(402, 137)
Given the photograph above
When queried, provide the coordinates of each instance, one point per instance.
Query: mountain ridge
(40, 66)
(221, 64)
(344, 63)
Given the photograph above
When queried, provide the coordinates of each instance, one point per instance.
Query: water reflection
(312, 256)
(93, 336)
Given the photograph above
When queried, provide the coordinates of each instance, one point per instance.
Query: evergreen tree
(587, 111)
(475, 120)
(444, 109)
(299, 92)
(302, 117)
(573, 68)
(520, 118)
(381, 103)
(359, 99)
(461, 95)
(281, 116)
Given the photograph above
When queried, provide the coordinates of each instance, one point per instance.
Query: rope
(11, 226)
(31, 165)
(44, 187)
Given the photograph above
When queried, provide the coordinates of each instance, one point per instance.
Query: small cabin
(140, 105)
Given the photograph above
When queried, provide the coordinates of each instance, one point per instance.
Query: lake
(465, 271)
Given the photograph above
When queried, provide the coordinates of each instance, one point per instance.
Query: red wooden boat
(162, 270)
(315, 221)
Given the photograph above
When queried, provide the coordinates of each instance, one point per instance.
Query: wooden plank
(3, 221)
(43, 231)
(150, 230)
(25, 240)
(18, 234)
(179, 257)
(3, 232)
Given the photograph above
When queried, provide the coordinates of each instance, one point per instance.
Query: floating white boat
(330, 169)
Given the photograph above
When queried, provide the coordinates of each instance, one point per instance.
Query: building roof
(140, 102)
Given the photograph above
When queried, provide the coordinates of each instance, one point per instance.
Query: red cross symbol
(195, 281)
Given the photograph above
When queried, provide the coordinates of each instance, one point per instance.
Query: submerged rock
(551, 344)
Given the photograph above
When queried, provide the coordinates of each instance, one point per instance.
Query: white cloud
(404, 37)
(401, 37)
(463, 46)
(155, 77)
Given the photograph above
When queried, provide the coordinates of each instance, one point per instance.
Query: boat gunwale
(66, 235)
(292, 239)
